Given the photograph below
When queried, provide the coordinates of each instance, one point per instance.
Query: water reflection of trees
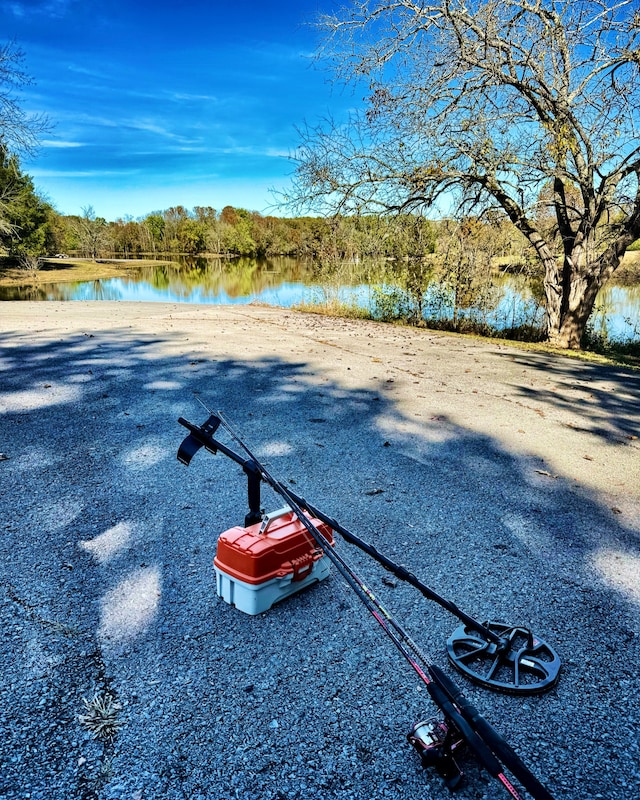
(616, 316)
(430, 290)
(215, 277)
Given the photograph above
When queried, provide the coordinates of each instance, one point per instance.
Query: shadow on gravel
(605, 399)
(107, 584)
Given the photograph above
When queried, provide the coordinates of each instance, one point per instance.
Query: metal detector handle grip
(489, 735)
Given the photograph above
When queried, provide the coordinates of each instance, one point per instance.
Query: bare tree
(19, 130)
(91, 231)
(480, 104)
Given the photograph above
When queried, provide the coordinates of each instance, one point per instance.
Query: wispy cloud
(250, 150)
(69, 173)
(149, 109)
(49, 8)
(150, 126)
(82, 70)
(193, 98)
(59, 143)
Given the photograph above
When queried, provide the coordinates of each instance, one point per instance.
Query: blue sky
(155, 104)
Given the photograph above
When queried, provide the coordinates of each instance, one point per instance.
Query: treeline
(30, 228)
(238, 232)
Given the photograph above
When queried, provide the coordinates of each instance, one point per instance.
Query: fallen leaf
(546, 474)
(588, 458)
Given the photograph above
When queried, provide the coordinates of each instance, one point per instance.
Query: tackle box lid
(275, 547)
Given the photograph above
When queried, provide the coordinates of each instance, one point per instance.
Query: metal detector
(437, 741)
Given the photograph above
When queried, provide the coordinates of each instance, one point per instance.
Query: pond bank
(510, 309)
(61, 270)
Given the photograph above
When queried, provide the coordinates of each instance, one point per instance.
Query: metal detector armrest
(199, 436)
(202, 436)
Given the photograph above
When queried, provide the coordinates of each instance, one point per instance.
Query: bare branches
(19, 131)
(477, 104)
(517, 88)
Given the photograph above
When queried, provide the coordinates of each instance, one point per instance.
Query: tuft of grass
(332, 308)
(101, 717)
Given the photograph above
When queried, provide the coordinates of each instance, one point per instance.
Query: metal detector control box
(262, 564)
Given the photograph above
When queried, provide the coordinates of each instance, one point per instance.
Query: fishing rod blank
(495, 655)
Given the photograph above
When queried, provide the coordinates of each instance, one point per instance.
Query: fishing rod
(436, 741)
(497, 655)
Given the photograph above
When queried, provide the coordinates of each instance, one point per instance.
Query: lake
(509, 302)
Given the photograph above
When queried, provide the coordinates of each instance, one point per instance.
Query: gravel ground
(508, 480)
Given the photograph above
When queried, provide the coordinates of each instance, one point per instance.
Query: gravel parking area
(508, 480)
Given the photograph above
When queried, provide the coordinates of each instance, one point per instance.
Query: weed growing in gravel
(102, 716)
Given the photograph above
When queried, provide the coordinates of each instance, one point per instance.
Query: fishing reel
(436, 741)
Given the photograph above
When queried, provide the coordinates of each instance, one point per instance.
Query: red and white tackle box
(260, 565)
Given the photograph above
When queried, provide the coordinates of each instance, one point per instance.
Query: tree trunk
(571, 294)
(568, 333)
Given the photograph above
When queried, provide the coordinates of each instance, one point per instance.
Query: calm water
(288, 282)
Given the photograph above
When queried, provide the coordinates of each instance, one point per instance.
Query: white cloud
(50, 8)
(70, 173)
(59, 143)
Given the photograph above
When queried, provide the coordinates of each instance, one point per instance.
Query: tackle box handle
(272, 517)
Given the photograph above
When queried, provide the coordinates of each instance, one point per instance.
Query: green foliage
(193, 236)
(25, 218)
(237, 235)
(391, 304)
(238, 232)
(154, 225)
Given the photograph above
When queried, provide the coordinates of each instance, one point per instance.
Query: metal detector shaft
(400, 571)
(496, 655)
(204, 436)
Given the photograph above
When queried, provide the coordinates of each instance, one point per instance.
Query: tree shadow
(604, 399)
(107, 543)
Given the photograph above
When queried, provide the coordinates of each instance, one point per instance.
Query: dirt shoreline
(73, 270)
